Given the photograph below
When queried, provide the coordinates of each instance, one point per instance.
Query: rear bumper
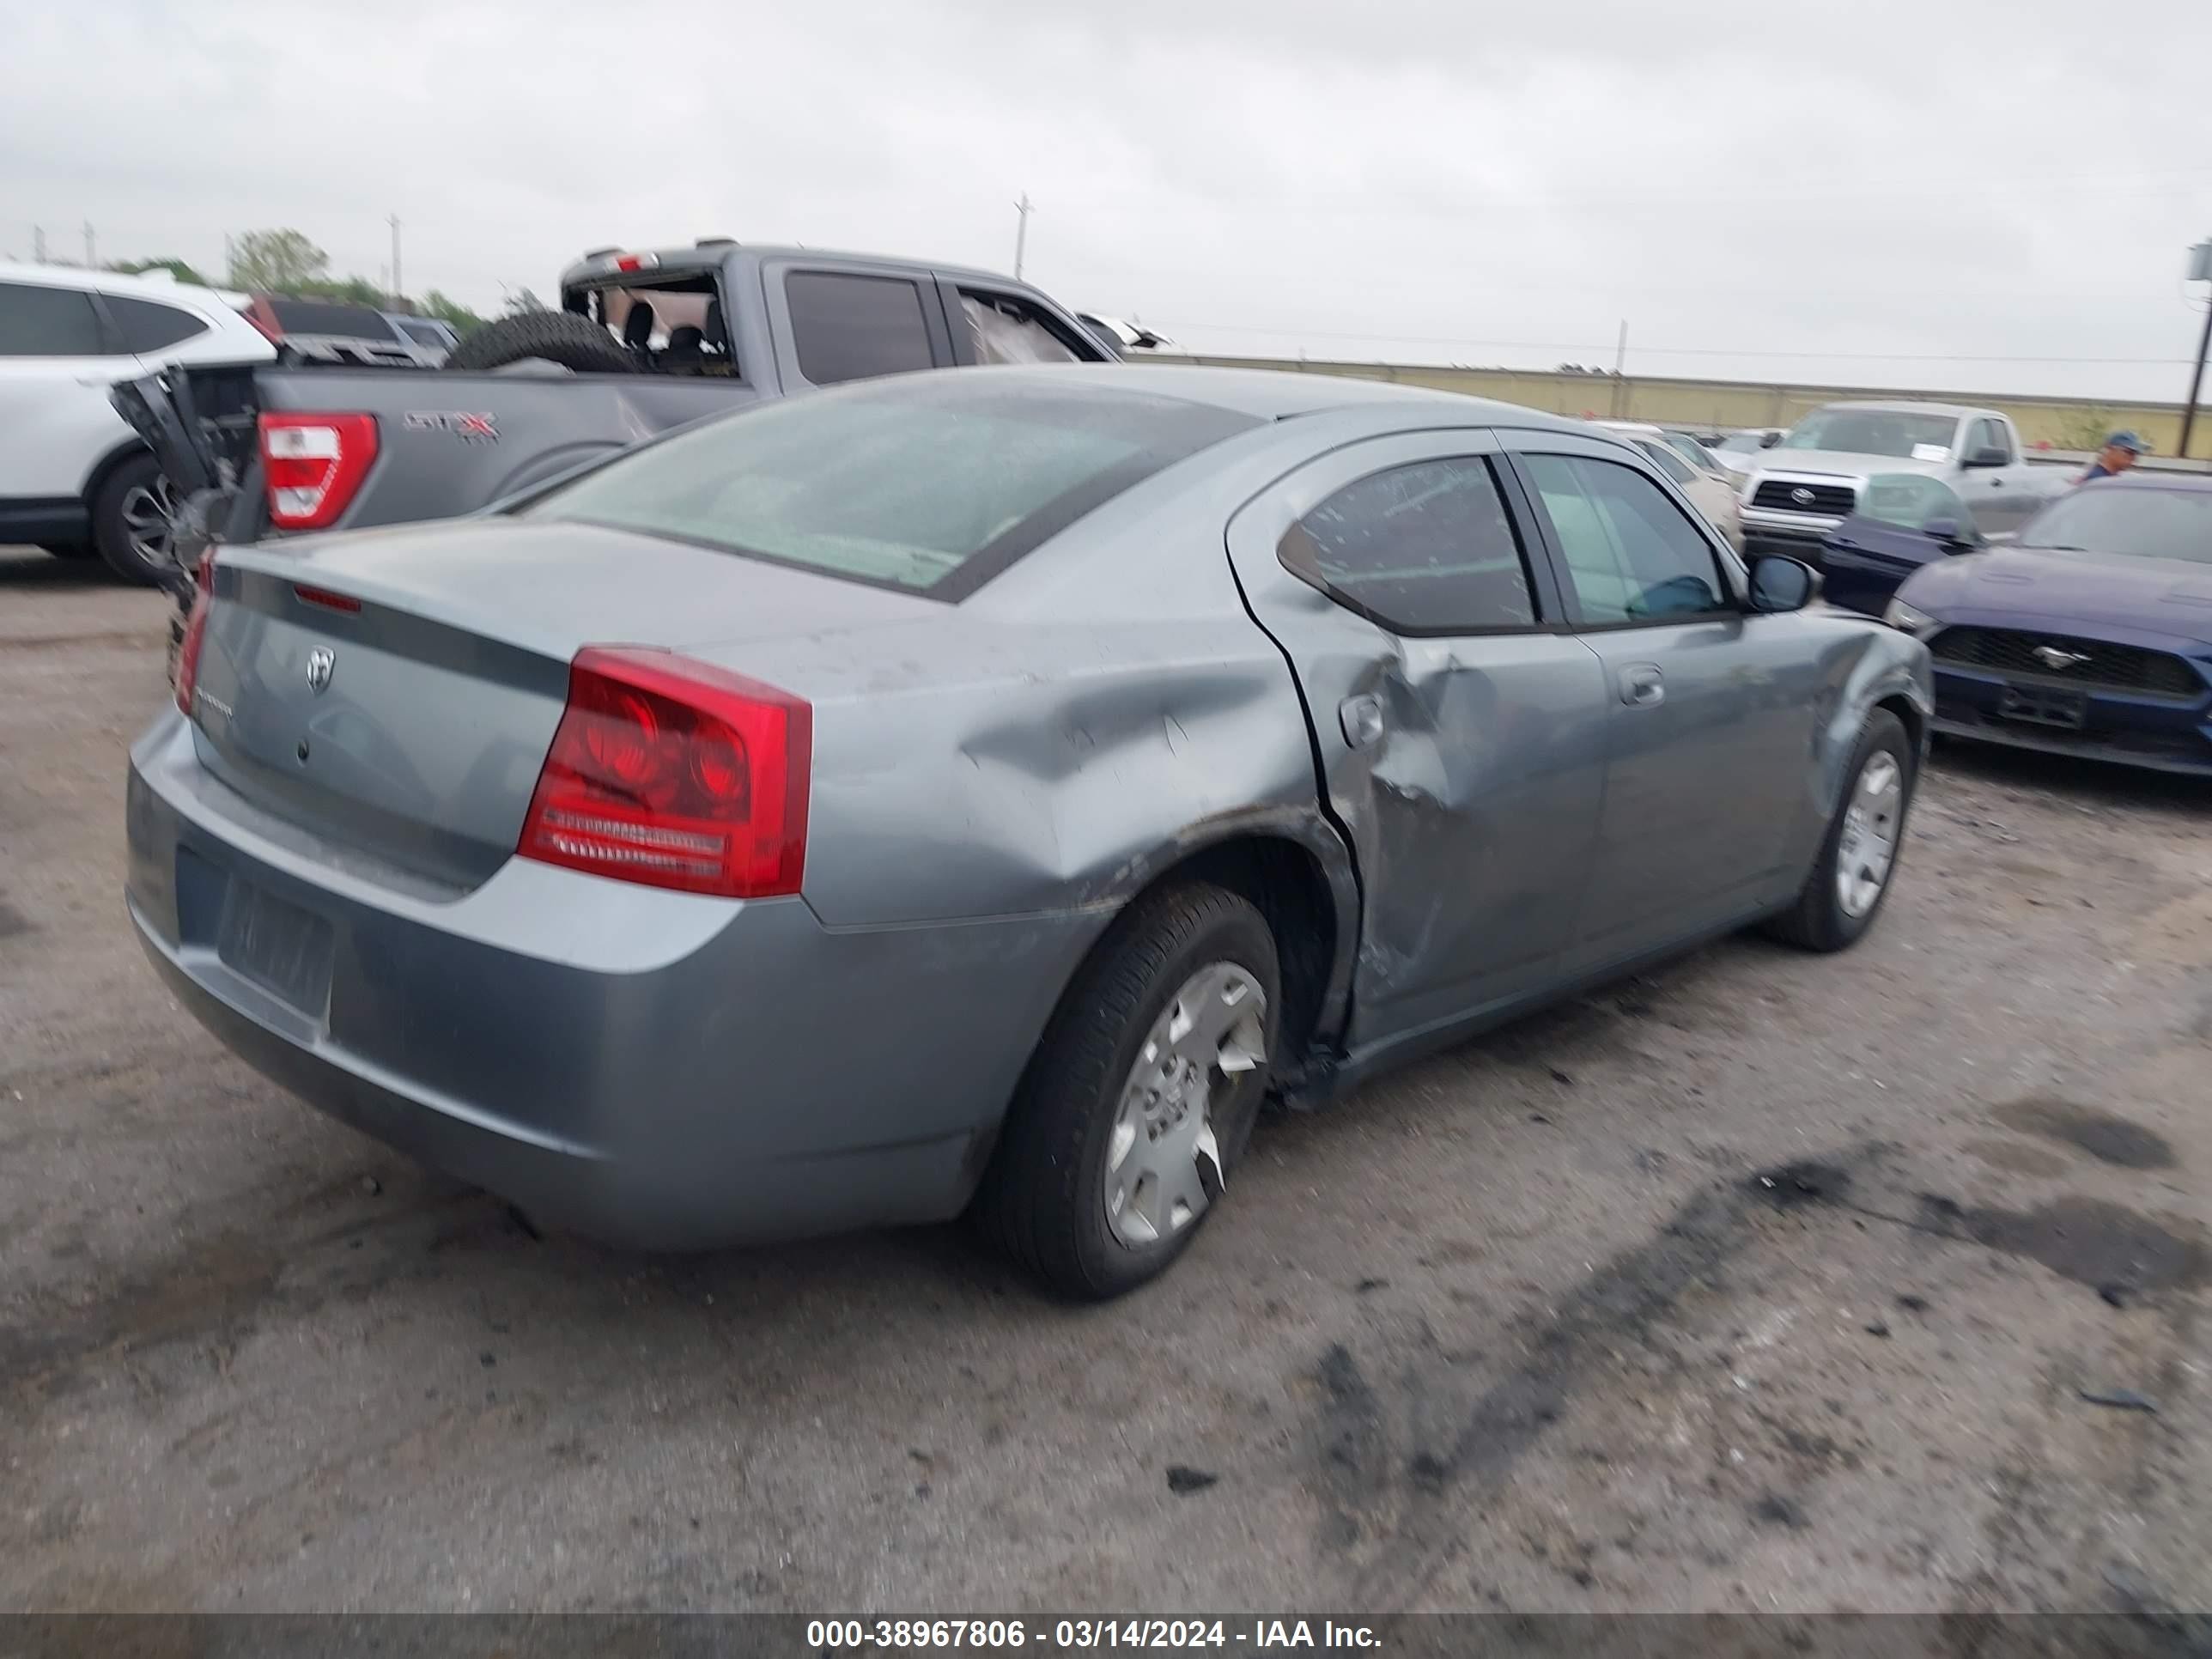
(2158, 734)
(656, 1070)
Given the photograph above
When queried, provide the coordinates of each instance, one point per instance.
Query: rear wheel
(132, 521)
(556, 337)
(1851, 876)
(1140, 1098)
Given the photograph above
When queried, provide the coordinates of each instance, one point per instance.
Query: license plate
(285, 950)
(2045, 705)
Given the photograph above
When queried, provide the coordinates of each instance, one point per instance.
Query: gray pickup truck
(1804, 486)
(644, 341)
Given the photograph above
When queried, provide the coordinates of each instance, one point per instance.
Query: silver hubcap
(149, 520)
(1868, 846)
(1163, 1162)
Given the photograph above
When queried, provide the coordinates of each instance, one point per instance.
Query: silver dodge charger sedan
(980, 790)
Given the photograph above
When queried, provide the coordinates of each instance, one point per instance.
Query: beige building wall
(2069, 423)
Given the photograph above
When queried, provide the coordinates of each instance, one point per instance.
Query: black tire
(128, 555)
(558, 337)
(1818, 919)
(1042, 1199)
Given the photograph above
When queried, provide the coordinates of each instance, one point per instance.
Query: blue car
(2090, 634)
(1904, 520)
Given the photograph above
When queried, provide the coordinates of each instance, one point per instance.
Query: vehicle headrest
(715, 333)
(637, 327)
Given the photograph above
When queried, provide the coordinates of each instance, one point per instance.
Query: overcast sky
(1893, 194)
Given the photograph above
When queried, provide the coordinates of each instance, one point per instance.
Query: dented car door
(1459, 732)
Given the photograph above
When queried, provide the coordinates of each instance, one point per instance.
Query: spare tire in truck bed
(558, 337)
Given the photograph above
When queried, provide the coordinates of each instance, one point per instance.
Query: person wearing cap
(2121, 451)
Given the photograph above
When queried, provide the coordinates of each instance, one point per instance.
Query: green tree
(176, 268)
(462, 321)
(519, 300)
(2084, 428)
(346, 290)
(276, 261)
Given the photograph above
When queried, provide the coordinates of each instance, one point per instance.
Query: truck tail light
(675, 774)
(312, 465)
(188, 648)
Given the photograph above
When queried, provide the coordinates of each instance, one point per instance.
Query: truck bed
(448, 442)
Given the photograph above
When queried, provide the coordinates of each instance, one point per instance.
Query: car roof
(2191, 483)
(1271, 394)
(163, 287)
(1908, 406)
(705, 256)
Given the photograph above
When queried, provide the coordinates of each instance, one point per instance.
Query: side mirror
(1987, 455)
(1951, 533)
(1779, 584)
(1769, 440)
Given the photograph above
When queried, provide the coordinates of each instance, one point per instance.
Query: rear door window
(36, 321)
(336, 321)
(1424, 549)
(1003, 329)
(1632, 554)
(845, 326)
(146, 326)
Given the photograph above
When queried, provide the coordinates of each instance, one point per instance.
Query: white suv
(74, 478)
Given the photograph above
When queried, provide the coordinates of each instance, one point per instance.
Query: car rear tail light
(312, 465)
(675, 774)
(188, 648)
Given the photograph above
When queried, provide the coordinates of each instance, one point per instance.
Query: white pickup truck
(1809, 483)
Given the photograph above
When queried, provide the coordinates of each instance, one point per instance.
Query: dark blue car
(2091, 634)
(1904, 521)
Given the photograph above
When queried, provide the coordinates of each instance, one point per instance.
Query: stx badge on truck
(469, 428)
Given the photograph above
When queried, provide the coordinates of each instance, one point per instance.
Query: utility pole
(38, 245)
(1021, 232)
(2200, 270)
(1620, 366)
(399, 287)
(91, 258)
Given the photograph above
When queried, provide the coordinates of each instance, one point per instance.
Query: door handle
(1361, 719)
(1642, 686)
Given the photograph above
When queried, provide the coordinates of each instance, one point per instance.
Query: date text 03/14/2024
(829, 1635)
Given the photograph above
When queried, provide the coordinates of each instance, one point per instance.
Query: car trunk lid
(395, 693)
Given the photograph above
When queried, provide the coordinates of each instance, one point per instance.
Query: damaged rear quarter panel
(1050, 744)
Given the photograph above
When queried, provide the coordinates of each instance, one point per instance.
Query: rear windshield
(930, 485)
(316, 317)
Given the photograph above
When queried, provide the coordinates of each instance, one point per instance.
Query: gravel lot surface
(1520, 1328)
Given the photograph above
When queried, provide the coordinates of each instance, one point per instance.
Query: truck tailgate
(449, 443)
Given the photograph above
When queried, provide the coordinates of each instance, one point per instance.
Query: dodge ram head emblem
(1802, 496)
(2055, 658)
(322, 663)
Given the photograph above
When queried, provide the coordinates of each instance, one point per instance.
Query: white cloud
(1956, 179)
